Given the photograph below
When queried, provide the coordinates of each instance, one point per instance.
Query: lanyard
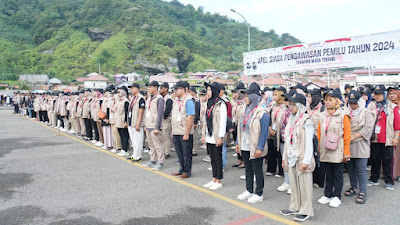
(326, 128)
(152, 100)
(247, 118)
(319, 105)
(291, 131)
(276, 113)
(210, 110)
(181, 103)
(133, 103)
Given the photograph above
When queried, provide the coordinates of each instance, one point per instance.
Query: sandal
(241, 166)
(350, 192)
(361, 199)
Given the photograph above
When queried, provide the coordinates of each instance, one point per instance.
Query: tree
(183, 55)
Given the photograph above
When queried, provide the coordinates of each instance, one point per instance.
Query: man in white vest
(166, 123)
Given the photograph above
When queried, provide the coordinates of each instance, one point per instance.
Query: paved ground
(52, 178)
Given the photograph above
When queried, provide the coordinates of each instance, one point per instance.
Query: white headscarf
(293, 151)
(361, 105)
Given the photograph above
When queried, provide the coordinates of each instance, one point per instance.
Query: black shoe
(137, 160)
(301, 218)
(287, 212)
(167, 156)
(194, 154)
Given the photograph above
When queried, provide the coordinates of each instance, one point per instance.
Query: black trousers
(61, 119)
(16, 108)
(216, 160)
(253, 167)
(274, 158)
(89, 129)
(184, 151)
(381, 156)
(234, 133)
(96, 131)
(123, 132)
(319, 176)
(334, 179)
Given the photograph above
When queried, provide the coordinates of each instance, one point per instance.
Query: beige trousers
(116, 137)
(301, 185)
(166, 130)
(83, 126)
(77, 126)
(157, 153)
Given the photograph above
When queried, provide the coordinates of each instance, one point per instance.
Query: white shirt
(223, 114)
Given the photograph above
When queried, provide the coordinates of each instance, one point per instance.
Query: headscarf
(315, 100)
(210, 107)
(397, 92)
(368, 101)
(361, 104)
(293, 151)
(269, 96)
(281, 98)
(254, 101)
(383, 104)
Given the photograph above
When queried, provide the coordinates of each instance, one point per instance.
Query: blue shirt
(190, 109)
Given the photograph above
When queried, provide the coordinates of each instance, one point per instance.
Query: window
(378, 75)
(94, 84)
(392, 74)
(363, 75)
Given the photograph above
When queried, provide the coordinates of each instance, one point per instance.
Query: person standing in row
(298, 158)
(214, 132)
(252, 144)
(362, 123)
(82, 100)
(113, 119)
(238, 108)
(105, 123)
(166, 127)
(137, 107)
(121, 120)
(183, 112)
(334, 135)
(193, 94)
(153, 122)
(387, 131)
(394, 97)
(86, 115)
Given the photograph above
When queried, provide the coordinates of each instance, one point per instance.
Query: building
(130, 77)
(36, 81)
(55, 81)
(94, 81)
(388, 77)
(164, 78)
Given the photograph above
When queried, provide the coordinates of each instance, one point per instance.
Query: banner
(360, 51)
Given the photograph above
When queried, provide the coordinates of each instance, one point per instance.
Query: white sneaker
(243, 177)
(289, 192)
(269, 174)
(123, 153)
(207, 159)
(172, 149)
(146, 151)
(209, 168)
(71, 131)
(99, 144)
(93, 141)
(234, 155)
(335, 202)
(278, 176)
(283, 187)
(245, 195)
(324, 200)
(208, 185)
(104, 148)
(215, 186)
(113, 150)
(255, 199)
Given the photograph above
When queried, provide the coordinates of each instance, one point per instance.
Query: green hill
(151, 36)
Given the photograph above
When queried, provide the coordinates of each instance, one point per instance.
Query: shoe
(167, 156)
(301, 218)
(94, 141)
(269, 174)
(137, 160)
(324, 200)
(371, 183)
(389, 187)
(255, 199)
(104, 148)
(172, 149)
(215, 186)
(98, 144)
(129, 158)
(207, 159)
(146, 151)
(234, 155)
(368, 168)
(158, 167)
(243, 177)
(289, 192)
(114, 150)
(194, 154)
(204, 146)
(184, 176)
(175, 174)
(245, 195)
(123, 153)
(283, 187)
(209, 184)
(335, 202)
(278, 176)
(149, 164)
(209, 168)
(71, 131)
(287, 212)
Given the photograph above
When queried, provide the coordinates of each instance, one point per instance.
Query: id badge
(179, 118)
(111, 116)
(274, 126)
(233, 119)
(377, 129)
(148, 114)
(130, 114)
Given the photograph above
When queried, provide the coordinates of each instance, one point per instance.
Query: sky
(311, 20)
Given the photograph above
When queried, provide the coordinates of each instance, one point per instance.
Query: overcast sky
(311, 20)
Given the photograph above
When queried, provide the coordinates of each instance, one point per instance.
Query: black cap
(369, 86)
(348, 86)
(281, 88)
(136, 85)
(193, 89)
(354, 96)
(315, 91)
(299, 86)
(143, 92)
(292, 92)
(212, 85)
(298, 98)
(186, 84)
(393, 88)
(268, 89)
(153, 84)
(124, 88)
(203, 92)
(179, 84)
(254, 88)
(239, 86)
(165, 85)
(334, 93)
(221, 87)
(380, 89)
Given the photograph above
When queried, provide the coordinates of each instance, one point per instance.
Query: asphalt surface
(48, 177)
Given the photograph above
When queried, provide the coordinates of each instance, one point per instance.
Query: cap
(281, 88)
(348, 86)
(186, 84)
(379, 89)
(254, 88)
(179, 84)
(354, 96)
(239, 86)
(153, 84)
(299, 86)
(193, 89)
(124, 88)
(165, 85)
(136, 85)
(298, 98)
(221, 86)
(268, 89)
(334, 93)
(212, 85)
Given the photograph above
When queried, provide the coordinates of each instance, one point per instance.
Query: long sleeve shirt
(382, 123)
(160, 113)
(197, 112)
(168, 108)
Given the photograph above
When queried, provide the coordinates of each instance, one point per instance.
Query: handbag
(102, 115)
(331, 139)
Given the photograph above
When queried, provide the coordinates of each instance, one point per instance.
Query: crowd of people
(308, 137)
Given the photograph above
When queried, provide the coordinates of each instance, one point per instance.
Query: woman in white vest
(362, 124)
(79, 112)
(213, 133)
(334, 135)
(252, 142)
(238, 107)
(298, 158)
(387, 131)
(121, 120)
(113, 118)
(105, 108)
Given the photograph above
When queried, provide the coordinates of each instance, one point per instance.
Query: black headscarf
(315, 100)
(215, 89)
